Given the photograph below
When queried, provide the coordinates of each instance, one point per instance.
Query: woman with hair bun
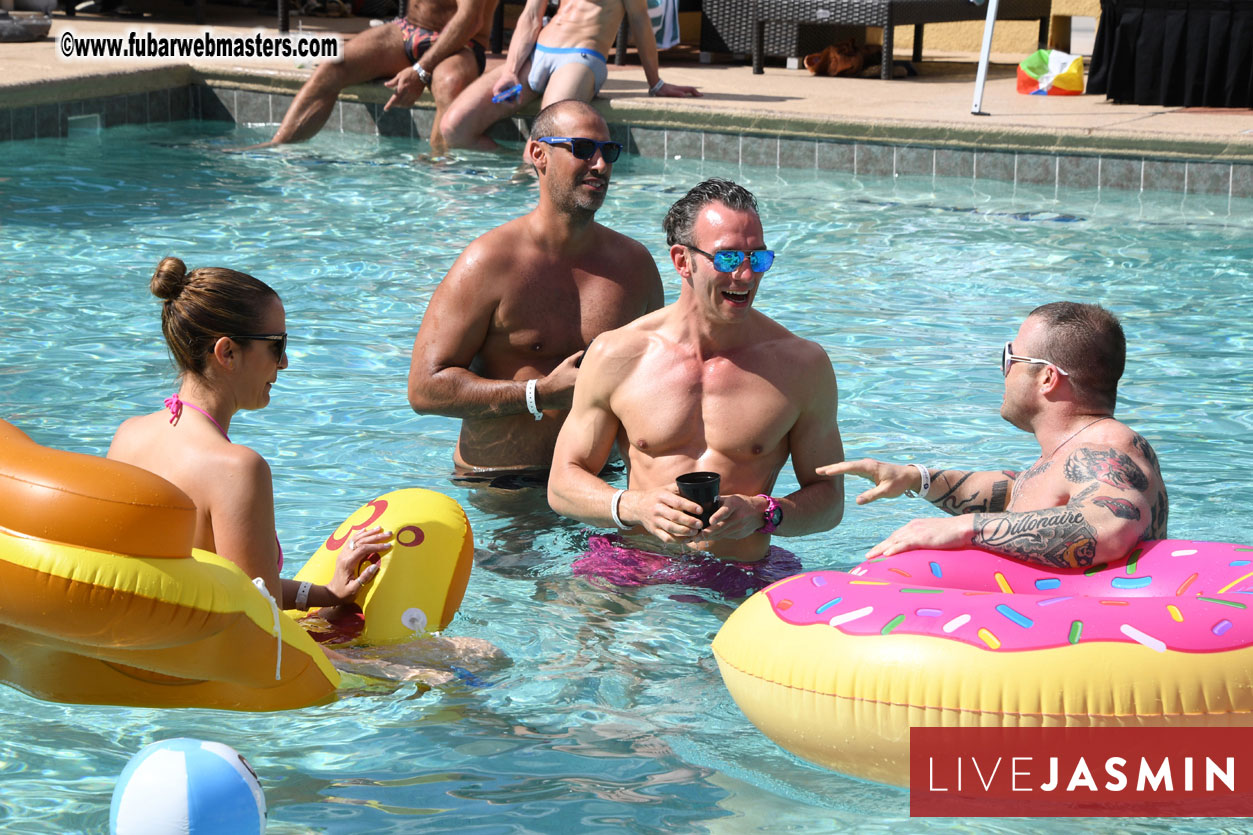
(227, 334)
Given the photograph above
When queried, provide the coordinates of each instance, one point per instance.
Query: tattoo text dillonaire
(955, 502)
(1058, 536)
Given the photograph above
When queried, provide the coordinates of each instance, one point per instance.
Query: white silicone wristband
(531, 405)
(924, 479)
(302, 595)
(613, 509)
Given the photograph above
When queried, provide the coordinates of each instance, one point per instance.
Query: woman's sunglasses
(586, 148)
(1008, 358)
(729, 260)
(278, 341)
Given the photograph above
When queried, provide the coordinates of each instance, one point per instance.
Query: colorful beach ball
(187, 786)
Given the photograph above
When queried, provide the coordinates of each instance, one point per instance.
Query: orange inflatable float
(103, 601)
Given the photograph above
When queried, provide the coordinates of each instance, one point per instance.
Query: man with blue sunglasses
(708, 383)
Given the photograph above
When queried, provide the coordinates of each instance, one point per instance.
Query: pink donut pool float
(836, 666)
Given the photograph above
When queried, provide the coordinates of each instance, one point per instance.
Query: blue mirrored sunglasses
(583, 148)
(729, 260)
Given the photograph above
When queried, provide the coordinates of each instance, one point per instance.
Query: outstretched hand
(891, 480)
(406, 88)
(363, 546)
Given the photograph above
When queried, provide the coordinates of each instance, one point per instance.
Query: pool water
(612, 716)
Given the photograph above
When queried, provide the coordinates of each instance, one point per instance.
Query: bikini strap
(176, 404)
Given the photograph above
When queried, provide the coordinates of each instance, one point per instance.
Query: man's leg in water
(467, 120)
(378, 52)
(453, 77)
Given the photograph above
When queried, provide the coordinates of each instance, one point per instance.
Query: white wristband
(924, 478)
(423, 75)
(531, 405)
(656, 88)
(302, 595)
(613, 509)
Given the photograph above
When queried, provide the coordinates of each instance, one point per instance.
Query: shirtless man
(438, 44)
(500, 342)
(563, 60)
(1094, 491)
(706, 383)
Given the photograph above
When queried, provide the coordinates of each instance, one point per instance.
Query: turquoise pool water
(612, 716)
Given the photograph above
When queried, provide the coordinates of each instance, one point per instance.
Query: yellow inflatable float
(104, 601)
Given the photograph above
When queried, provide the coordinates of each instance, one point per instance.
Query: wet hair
(1088, 342)
(545, 123)
(204, 305)
(682, 215)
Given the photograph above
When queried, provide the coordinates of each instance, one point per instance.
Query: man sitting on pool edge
(563, 59)
(1087, 506)
(707, 383)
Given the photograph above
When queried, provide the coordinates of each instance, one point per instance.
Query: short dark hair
(682, 215)
(1088, 342)
(545, 123)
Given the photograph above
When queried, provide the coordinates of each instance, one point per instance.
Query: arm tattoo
(1000, 490)
(1121, 508)
(1109, 467)
(1057, 536)
(1142, 447)
(953, 503)
(1158, 514)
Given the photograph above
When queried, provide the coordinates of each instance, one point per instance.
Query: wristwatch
(423, 75)
(773, 514)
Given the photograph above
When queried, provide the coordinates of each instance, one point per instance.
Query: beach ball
(187, 786)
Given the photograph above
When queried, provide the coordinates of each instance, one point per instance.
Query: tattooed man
(1096, 488)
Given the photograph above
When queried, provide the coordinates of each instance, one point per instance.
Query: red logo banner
(1081, 772)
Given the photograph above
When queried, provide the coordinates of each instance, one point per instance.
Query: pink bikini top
(175, 405)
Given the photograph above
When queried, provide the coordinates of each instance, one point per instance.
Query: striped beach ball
(187, 786)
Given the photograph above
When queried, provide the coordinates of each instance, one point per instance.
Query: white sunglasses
(1008, 358)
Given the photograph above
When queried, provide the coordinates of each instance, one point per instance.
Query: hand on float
(361, 546)
(891, 480)
(555, 390)
(406, 88)
(941, 534)
(662, 512)
(739, 516)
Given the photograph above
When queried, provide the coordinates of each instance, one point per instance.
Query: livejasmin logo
(1081, 772)
(1020, 775)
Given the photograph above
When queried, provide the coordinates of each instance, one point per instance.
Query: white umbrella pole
(984, 55)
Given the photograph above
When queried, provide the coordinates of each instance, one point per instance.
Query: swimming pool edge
(1057, 157)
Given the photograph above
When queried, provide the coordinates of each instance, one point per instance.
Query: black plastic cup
(701, 488)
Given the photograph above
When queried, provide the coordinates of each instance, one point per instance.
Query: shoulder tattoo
(1109, 467)
(1142, 447)
(1121, 508)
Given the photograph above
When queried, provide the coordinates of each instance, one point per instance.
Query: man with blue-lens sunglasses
(708, 383)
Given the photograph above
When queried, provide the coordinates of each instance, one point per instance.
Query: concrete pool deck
(920, 125)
